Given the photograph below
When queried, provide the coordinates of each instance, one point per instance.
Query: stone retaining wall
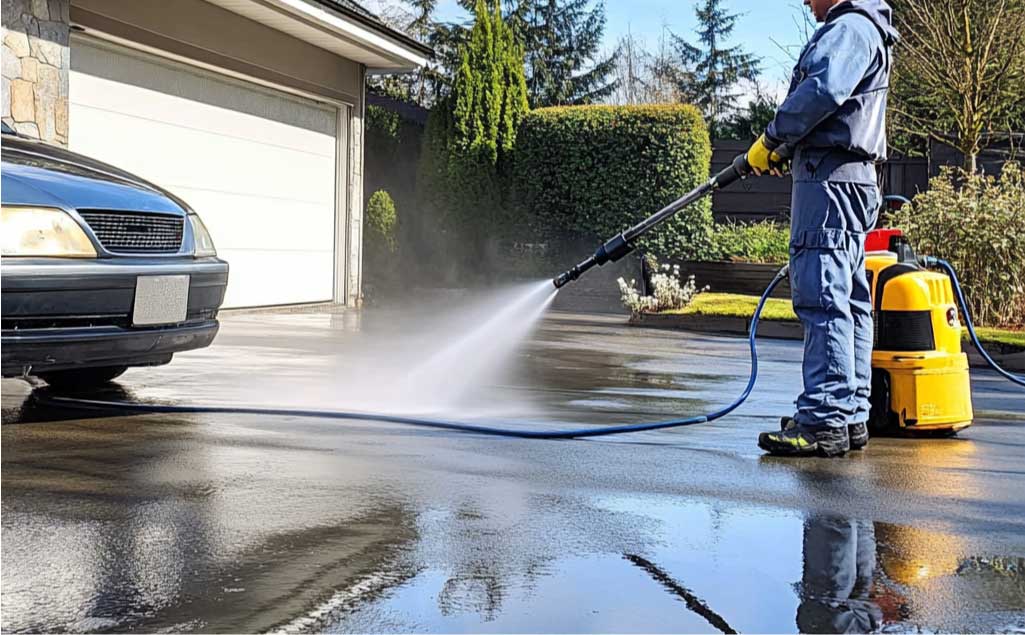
(36, 61)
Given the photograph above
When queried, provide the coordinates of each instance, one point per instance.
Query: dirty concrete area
(215, 523)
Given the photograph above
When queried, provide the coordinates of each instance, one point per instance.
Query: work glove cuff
(770, 141)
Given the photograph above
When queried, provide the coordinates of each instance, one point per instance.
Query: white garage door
(258, 165)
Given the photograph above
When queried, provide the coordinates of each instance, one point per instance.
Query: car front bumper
(60, 314)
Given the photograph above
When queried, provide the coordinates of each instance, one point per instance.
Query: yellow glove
(763, 157)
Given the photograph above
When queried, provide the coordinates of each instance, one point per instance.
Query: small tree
(379, 245)
(471, 132)
(960, 69)
(664, 74)
(629, 72)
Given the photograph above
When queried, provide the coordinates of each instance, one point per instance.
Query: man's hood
(878, 11)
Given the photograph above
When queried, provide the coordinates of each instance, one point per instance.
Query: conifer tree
(471, 132)
(423, 87)
(712, 71)
(562, 40)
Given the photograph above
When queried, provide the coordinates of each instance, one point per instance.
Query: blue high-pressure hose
(94, 404)
(930, 261)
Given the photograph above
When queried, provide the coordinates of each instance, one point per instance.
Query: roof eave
(338, 29)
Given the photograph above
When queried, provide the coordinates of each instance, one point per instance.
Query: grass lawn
(734, 305)
(1002, 336)
(743, 306)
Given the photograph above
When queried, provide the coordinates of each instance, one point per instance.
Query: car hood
(35, 173)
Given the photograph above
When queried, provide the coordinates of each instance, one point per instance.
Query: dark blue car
(101, 270)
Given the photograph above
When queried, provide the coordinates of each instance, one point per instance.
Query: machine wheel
(82, 378)
(881, 420)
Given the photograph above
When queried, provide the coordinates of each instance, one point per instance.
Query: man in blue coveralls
(833, 119)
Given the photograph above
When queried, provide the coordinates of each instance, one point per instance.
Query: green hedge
(596, 170)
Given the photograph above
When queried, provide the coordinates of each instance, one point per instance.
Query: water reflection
(836, 581)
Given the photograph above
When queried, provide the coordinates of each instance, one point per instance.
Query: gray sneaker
(857, 432)
(797, 440)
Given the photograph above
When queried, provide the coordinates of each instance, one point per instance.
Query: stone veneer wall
(36, 60)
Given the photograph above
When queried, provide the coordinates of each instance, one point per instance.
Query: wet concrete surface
(227, 523)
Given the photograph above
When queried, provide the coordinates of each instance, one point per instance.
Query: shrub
(596, 170)
(764, 242)
(379, 224)
(978, 224)
(667, 292)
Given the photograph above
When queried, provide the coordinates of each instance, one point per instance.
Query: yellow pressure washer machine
(920, 382)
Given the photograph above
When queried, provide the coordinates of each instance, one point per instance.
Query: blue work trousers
(835, 203)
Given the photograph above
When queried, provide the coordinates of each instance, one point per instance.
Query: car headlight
(42, 231)
(201, 236)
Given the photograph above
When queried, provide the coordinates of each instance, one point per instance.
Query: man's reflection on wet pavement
(839, 562)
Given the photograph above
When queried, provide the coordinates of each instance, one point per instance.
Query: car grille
(136, 232)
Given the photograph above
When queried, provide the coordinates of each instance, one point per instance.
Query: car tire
(81, 378)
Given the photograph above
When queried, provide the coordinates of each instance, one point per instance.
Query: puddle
(559, 601)
(712, 568)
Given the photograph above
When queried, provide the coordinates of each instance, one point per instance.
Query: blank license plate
(160, 300)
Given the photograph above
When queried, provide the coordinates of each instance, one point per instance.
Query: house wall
(35, 68)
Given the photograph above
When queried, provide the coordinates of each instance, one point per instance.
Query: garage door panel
(198, 98)
(111, 96)
(208, 160)
(283, 224)
(258, 165)
(304, 273)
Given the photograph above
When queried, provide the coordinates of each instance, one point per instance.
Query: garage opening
(259, 165)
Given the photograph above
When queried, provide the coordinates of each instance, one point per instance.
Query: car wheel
(82, 377)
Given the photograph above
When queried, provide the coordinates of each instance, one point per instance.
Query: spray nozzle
(572, 274)
(610, 251)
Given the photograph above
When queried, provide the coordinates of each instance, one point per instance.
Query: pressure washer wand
(622, 244)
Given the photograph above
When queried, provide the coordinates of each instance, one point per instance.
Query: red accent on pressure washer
(879, 239)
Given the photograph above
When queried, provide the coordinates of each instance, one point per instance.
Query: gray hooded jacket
(837, 96)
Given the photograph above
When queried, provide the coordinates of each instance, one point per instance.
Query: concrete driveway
(247, 523)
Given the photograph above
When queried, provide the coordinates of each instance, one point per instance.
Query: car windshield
(7, 129)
